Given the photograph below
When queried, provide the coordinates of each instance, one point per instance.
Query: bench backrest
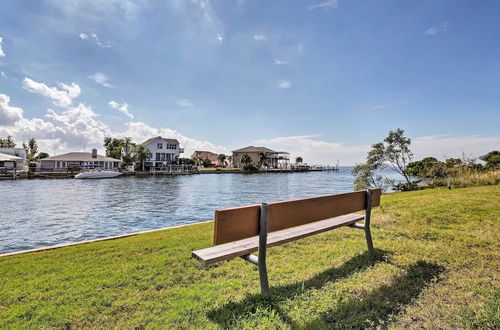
(237, 223)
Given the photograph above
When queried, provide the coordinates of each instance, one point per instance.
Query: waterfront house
(14, 157)
(163, 151)
(202, 155)
(75, 160)
(275, 159)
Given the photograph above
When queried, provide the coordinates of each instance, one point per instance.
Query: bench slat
(245, 246)
(238, 223)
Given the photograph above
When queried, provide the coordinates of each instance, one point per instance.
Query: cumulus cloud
(2, 53)
(8, 113)
(101, 79)
(259, 37)
(3, 74)
(122, 108)
(79, 126)
(184, 103)
(317, 151)
(284, 84)
(140, 132)
(325, 4)
(83, 36)
(220, 37)
(62, 96)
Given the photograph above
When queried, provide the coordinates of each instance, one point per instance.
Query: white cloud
(2, 54)
(434, 30)
(140, 132)
(184, 103)
(3, 74)
(122, 108)
(446, 146)
(62, 97)
(220, 37)
(316, 151)
(280, 62)
(101, 79)
(78, 126)
(67, 131)
(8, 113)
(259, 37)
(325, 4)
(85, 36)
(284, 84)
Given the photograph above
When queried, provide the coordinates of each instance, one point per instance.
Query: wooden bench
(242, 230)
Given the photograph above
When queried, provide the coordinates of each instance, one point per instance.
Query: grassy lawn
(437, 264)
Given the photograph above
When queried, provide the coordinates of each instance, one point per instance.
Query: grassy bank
(437, 264)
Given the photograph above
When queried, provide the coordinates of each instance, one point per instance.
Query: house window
(159, 145)
(157, 156)
(162, 158)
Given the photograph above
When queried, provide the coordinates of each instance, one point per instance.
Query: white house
(17, 156)
(163, 151)
(76, 159)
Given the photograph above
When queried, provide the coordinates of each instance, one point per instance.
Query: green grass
(437, 263)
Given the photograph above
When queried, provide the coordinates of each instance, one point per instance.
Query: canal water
(37, 213)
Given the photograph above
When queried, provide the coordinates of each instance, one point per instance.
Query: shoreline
(108, 238)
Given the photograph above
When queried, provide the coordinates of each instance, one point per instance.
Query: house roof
(8, 158)
(206, 155)
(148, 141)
(80, 156)
(254, 149)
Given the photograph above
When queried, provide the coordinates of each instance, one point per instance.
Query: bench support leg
(368, 234)
(264, 216)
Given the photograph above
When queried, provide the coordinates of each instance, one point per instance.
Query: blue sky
(321, 79)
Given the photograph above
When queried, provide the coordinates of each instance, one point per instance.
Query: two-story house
(163, 151)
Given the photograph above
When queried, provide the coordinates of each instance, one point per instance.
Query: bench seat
(248, 245)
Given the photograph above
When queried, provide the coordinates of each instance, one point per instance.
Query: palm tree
(142, 153)
(230, 160)
(246, 159)
(263, 158)
(299, 160)
(221, 159)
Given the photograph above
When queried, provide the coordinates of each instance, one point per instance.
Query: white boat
(97, 173)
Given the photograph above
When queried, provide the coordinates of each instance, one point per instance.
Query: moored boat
(97, 173)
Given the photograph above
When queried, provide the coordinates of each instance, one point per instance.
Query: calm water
(37, 213)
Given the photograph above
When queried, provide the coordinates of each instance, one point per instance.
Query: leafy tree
(207, 163)
(366, 177)
(31, 150)
(7, 143)
(393, 152)
(299, 160)
(113, 147)
(492, 159)
(43, 155)
(221, 159)
(453, 162)
(142, 154)
(186, 161)
(422, 168)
